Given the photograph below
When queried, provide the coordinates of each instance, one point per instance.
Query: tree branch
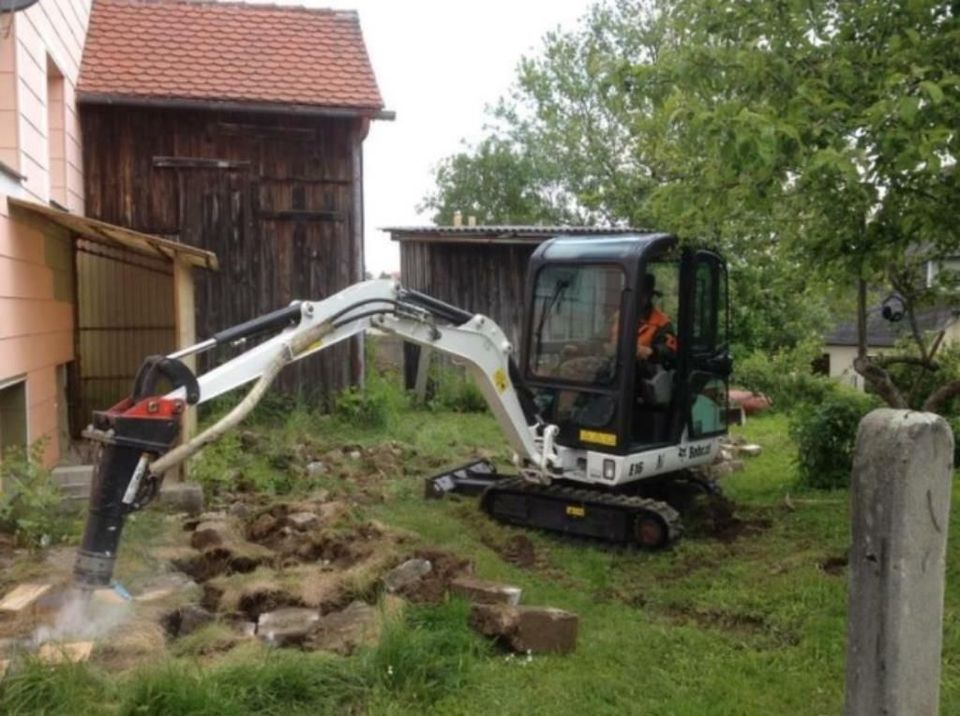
(939, 398)
(880, 381)
(925, 363)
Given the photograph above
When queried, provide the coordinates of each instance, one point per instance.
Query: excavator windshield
(576, 322)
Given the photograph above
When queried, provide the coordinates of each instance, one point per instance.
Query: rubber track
(636, 505)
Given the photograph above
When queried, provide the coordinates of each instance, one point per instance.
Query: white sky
(438, 64)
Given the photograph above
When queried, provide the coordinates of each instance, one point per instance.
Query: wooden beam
(186, 332)
(301, 215)
(200, 163)
(23, 596)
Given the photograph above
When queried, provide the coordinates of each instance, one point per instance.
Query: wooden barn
(237, 129)
(481, 269)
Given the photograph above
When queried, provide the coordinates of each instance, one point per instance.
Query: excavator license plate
(576, 511)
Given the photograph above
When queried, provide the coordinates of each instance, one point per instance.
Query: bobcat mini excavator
(595, 430)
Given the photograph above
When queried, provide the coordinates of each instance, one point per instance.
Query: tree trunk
(873, 374)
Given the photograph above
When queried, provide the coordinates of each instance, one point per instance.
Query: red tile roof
(199, 50)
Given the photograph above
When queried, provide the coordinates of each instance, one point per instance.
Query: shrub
(785, 377)
(362, 407)
(825, 434)
(375, 404)
(455, 390)
(30, 501)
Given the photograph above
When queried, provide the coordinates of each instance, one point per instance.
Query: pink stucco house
(40, 161)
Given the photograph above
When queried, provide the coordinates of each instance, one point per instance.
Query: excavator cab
(626, 343)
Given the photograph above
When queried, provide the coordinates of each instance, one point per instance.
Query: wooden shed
(238, 129)
(481, 269)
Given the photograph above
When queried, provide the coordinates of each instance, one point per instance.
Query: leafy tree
(827, 126)
(584, 138)
(495, 182)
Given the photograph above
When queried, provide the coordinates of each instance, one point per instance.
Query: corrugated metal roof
(501, 233)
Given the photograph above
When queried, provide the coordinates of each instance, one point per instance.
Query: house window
(13, 415)
(56, 135)
(821, 365)
(949, 266)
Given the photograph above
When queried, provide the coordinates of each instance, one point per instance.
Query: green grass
(752, 626)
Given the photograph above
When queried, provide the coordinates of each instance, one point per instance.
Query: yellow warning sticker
(576, 511)
(500, 380)
(592, 436)
(313, 346)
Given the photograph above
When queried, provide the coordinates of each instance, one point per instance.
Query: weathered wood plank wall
(481, 278)
(273, 196)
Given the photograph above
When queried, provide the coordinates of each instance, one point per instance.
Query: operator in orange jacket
(656, 337)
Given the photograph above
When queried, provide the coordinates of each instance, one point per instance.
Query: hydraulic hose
(297, 345)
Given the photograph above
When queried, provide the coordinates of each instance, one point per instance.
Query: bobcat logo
(693, 451)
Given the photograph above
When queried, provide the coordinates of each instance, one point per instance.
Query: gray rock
(239, 509)
(481, 591)
(527, 630)
(342, 632)
(288, 626)
(410, 572)
(303, 520)
(192, 618)
(210, 534)
(316, 469)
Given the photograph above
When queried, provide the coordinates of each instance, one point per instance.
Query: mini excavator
(596, 429)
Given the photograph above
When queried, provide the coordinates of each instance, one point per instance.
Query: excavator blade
(470, 479)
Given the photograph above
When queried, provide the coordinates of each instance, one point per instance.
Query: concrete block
(900, 507)
(481, 591)
(181, 497)
(534, 630)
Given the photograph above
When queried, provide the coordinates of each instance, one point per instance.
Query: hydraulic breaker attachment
(130, 435)
(470, 479)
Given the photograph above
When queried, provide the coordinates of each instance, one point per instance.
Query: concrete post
(900, 502)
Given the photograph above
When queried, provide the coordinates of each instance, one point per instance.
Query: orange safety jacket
(655, 331)
(650, 329)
